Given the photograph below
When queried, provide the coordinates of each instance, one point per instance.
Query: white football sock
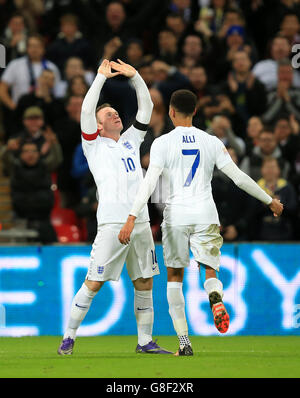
(213, 285)
(80, 306)
(177, 311)
(143, 310)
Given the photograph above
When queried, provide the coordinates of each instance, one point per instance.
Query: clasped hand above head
(120, 67)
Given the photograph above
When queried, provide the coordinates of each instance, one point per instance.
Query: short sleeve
(222, 155)
(157, 153)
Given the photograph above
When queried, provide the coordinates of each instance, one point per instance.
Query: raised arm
(144, 101)
(88, 120)
(248, 185)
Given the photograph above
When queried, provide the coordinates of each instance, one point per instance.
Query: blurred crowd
(234, 55)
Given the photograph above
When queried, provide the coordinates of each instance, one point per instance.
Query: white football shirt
(188, 157)
(117, 172)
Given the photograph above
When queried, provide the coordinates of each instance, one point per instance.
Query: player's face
(109, 121)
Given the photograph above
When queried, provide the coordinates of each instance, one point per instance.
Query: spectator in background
(159, 124)
(146, 71)
(264, 225)
(73, 67)
(68, 134)
(232, 17)
(211, 18)
(290, 28)
(34, 131)
(285, 99)
(87, 209)
(177, 24)
(116, 23)
(233, 219)
(234, 41)
(7, 9)
(247, 94)
(31, 194)
(21, 74)
(183, 8)
(111, 49)
(167, 79)
(70, 43)
(205, 95)
(221, 128)
(167, 47)
(288, 139)
(77, 86)
(32, 11)
(80, 169)
(219, 104)
(192, 53)
(135, 53)
(254, 128)
(267, 70)
(42, 97)
(267, 147)
(15, 37)
(20, 77)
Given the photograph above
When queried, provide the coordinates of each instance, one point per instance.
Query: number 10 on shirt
(195, 165)
(129, 164)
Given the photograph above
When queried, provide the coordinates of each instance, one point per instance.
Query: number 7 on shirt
(195, 165)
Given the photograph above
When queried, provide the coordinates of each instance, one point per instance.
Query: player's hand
(124, 235)
(276, 207)
(124, 69)
(105, 69)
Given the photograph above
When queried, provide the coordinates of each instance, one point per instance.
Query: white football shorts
(204, 241)
(108, 255)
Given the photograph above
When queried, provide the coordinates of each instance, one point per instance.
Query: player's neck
(112, 136)
(182, 122)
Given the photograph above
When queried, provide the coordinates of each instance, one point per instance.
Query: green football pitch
(114, 356)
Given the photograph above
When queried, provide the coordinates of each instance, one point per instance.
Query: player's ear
(99, 127)
(171, 112)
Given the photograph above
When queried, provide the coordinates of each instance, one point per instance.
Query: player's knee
(175, 274)
(95, 286)
(143, 284)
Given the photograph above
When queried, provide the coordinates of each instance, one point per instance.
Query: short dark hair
(184, 101)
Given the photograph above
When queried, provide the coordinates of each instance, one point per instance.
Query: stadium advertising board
(261, 293)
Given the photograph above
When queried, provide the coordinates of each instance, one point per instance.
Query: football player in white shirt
(186, 158)
(115, 164)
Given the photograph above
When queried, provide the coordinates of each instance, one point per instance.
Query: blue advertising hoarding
(261, 292)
